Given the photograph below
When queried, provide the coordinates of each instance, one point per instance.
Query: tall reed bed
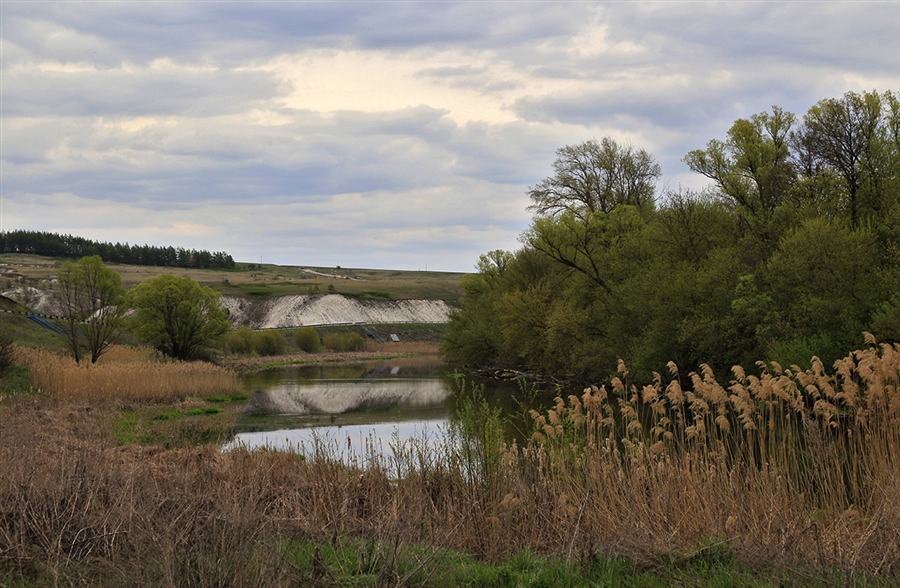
(792, 465)
(125, 374)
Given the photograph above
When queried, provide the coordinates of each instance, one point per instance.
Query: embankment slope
(284, 312)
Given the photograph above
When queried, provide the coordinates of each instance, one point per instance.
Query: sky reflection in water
(348, 411)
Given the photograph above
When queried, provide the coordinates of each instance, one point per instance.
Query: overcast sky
(396, 135)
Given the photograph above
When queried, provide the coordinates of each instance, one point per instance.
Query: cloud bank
(382, 134)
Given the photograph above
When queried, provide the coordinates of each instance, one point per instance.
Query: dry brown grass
(125, 374)
(793, 468)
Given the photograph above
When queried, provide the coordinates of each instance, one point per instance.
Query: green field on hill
(250, 279)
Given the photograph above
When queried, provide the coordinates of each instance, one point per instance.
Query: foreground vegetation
(790, 478)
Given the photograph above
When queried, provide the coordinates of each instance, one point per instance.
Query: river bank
(374, 352)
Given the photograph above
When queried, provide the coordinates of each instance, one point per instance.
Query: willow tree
(593, 177)
(843, 136)
(177, 314)
(91, 295)
(752, 166)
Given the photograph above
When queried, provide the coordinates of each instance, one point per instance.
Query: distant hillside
(255, 281)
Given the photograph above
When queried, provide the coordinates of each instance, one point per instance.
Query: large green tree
(91, 295)
(844, 136)
(752, 166)
(177, 314)
(595, 177)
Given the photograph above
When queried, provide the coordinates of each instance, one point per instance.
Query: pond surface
(351, 411)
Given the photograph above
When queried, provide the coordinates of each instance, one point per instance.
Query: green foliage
(91, 295)
(886, 322)
(246, 341)
(793, 251)
(846, 135)
(597, 177)
(350, 341)
(177, 314)
(307, 339)
(477, 431)
(751, 167)
(241, 341)
(826, 284)
(271, 343)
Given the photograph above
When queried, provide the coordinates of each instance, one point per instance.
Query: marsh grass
(792, 470)
(125, 374)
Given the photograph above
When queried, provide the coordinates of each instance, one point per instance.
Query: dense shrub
(245, 341)
(240, 341)
(344, 342)
(307, 339)
(270, 343)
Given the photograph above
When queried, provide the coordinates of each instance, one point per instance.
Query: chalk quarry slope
(285, 312)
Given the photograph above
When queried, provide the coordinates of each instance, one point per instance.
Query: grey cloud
(810, 32)
(229, 32)
(140, 92)
(467, 77)
(561, 73)
(311, 159)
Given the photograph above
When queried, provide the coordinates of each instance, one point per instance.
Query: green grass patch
(131, 428)
(204, 410)
(174, 427)
(226, 398)
(16, 382)
(369, 562)
(167, 415)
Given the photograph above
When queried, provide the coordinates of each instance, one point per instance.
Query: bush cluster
(344, 342)
(249, 342)
(307, 339)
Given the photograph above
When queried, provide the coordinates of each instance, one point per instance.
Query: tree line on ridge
(55, 245)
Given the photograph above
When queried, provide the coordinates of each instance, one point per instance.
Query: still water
(351, 411)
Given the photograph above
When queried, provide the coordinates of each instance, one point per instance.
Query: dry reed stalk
(125, 375)
(797, 466)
